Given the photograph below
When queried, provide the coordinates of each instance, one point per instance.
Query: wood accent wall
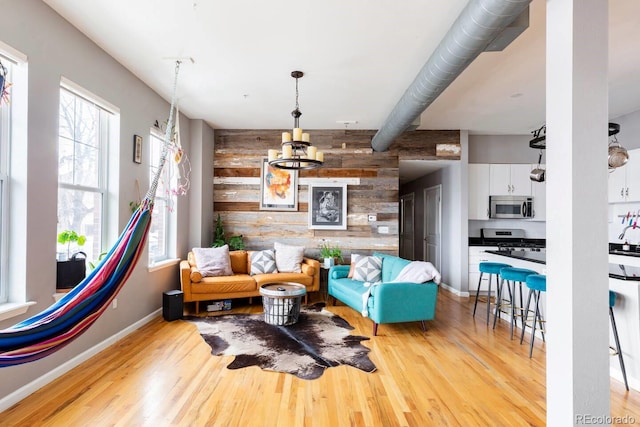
(348, 156)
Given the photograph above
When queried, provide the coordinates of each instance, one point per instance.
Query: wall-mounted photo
(328, 207)
(278, 188)
(137, 149)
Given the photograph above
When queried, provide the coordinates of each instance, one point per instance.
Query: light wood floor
(459, 372)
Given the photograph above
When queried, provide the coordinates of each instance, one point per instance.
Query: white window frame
(5, 151)
(168, 177)
(107, 113)
(13, 225)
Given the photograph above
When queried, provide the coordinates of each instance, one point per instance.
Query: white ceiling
(358, 58)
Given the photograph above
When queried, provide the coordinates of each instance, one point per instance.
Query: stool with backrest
(493, 269)
(612, 302)
(513, 276)
(536, 283)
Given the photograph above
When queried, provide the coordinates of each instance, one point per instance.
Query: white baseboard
(22, 392)
(454, 290)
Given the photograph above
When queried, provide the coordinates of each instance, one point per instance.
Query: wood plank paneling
(238, 157)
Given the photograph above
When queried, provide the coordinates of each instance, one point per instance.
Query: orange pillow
(352, 267)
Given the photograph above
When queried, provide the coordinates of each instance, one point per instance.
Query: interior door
(407, 226)
(433, 225)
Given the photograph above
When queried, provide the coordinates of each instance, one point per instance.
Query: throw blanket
(418, 272)
(414, 272)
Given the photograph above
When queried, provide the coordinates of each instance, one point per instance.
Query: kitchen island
(624, 279)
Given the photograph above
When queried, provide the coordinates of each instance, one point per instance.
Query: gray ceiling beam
(482, 25)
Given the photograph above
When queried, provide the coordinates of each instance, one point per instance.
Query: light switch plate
(373, 217)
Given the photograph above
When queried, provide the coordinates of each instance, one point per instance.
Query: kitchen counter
(616, 271)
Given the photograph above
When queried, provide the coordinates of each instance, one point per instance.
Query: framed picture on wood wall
(328, 207)
(278, 188)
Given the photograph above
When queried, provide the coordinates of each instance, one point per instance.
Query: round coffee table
(281, 302)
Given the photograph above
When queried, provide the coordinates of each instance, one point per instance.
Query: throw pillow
(367, 268)
(213, 261)
(288, 258)
(263, 262)
(352, 266)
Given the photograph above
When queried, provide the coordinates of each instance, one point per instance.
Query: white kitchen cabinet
(477, 255)
(624, 182)
(509, 179)
(479, 191)
(539, 193)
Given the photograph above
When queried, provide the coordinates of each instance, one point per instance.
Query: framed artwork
(328, 207)
(137, 149)
(278, 188)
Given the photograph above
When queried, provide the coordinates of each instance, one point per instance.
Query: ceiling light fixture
(297, 152)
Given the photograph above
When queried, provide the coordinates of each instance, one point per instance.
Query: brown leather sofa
(241, 285)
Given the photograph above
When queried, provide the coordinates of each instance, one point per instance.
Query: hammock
(65, 320)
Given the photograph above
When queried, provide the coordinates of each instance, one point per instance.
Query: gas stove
(521, 246)
(511, 239)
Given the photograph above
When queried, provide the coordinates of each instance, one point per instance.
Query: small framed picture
(278, 188)
(328, 207)
(137, 149)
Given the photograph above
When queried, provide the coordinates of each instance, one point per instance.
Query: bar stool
(492, 268)
(536, 283)
(512, 275)
(617, 350)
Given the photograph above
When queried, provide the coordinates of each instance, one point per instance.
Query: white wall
(501, 149)
(55, 49)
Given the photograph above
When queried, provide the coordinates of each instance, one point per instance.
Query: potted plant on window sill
(71, 269)
(330, 254)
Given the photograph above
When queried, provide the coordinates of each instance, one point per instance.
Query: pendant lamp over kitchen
(297, 152)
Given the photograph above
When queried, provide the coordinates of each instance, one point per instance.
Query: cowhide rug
(319, 340)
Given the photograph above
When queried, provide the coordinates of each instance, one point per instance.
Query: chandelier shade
(297, 152)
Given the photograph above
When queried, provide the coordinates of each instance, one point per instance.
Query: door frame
(411, 196)
(424, 225)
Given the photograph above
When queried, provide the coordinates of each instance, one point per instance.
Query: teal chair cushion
(516, 274)
(492, 267)
(537, 282)
(612, 298)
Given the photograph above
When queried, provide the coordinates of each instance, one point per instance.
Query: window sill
(13, 309)
(163, 264)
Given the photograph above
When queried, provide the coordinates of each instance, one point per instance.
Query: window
(82, 170)
(162, 230)
(5, 139)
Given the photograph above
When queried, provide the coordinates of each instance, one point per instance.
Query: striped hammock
(65, 320)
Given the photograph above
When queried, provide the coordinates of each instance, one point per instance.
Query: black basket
(72, 271)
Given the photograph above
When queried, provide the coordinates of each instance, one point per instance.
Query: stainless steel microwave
(510, 207)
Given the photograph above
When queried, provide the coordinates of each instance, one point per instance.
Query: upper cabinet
(624, 182)
(478, 191)
(509, 179)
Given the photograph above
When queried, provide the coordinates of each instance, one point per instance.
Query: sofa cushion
(288, 258)
(239, 262)
(301, 278)
(224, 284)
(213, 261)
(263, 262)
(367, 268)
(195, 275)
(391, 266)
